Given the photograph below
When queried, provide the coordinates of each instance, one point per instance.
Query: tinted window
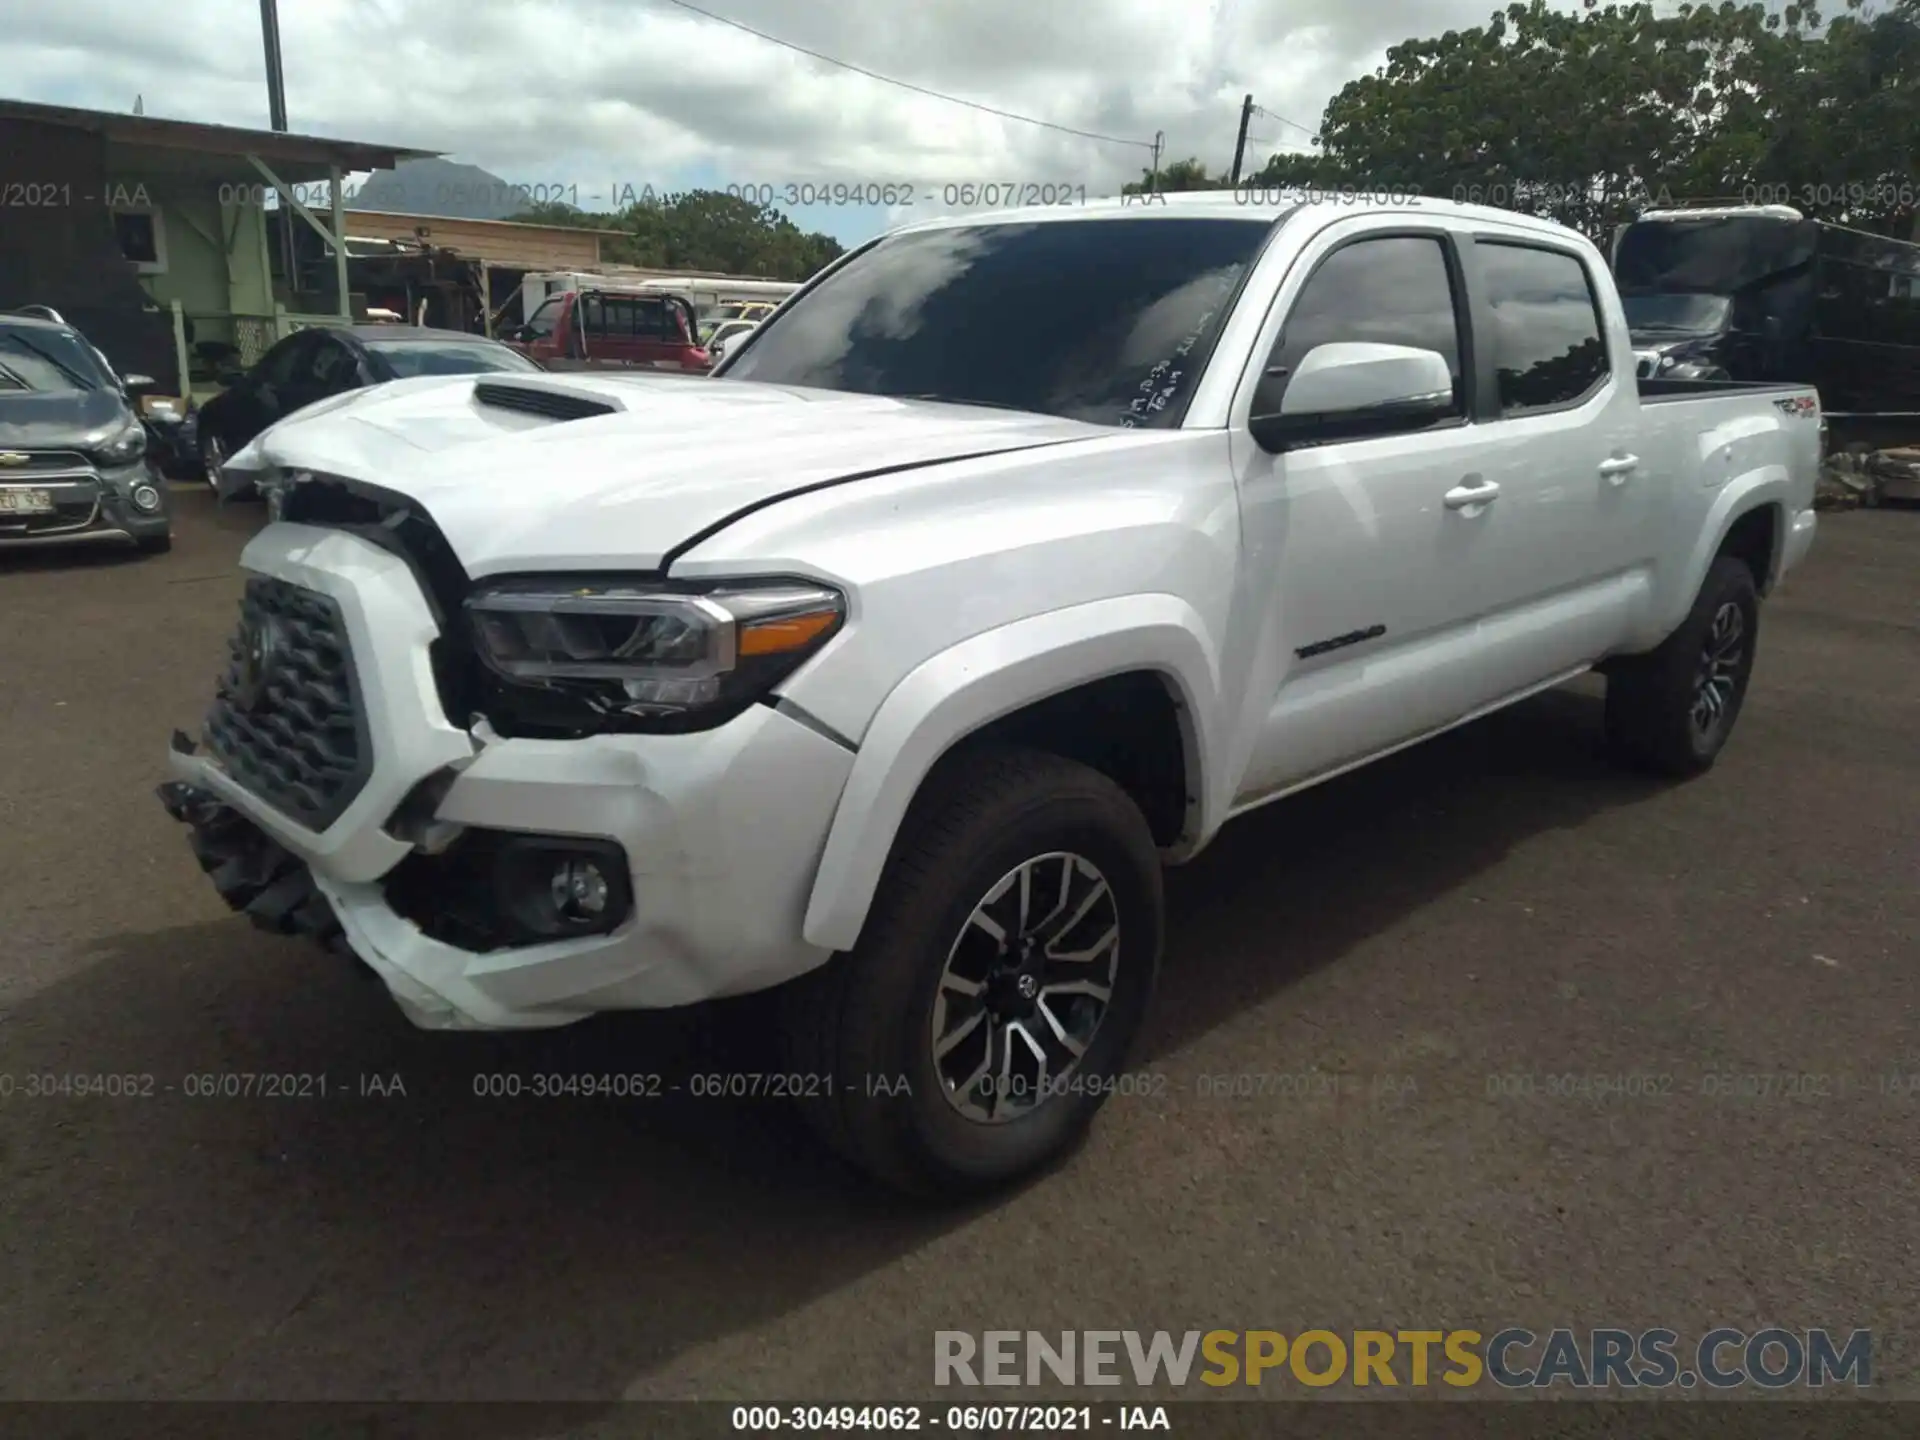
(281, 364)
(330, 365)
(1676, 312)
(447, 357)
(1712, 256)
(1391, 291)
(652, 322)
(1547, 345)
(45, 359)
(1109, 321)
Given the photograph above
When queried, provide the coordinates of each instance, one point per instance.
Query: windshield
(1132, 308)
(447, 357)
(1710, 257)
(40, 358)
(1676, 312)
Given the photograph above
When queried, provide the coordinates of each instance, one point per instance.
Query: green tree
(1188, 174)
(1590, 117)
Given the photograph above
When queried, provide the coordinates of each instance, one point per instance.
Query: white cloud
(597, 93)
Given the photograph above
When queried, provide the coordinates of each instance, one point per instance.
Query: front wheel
(1671, 710)
(1002, 975)
(213, 455)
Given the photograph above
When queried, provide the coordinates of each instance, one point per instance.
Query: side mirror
(1359, 386)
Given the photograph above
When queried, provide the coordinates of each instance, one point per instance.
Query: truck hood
(668, 460)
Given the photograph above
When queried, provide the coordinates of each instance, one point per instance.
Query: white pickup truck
(891, 663)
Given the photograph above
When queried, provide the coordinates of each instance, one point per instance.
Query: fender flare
(1756, 489)
(956, 692)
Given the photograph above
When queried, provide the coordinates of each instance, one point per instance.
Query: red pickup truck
(612, 329)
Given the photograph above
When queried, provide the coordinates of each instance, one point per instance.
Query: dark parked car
(73, 453)
(314, 364)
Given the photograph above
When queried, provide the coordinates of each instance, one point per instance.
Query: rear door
(1571, 557)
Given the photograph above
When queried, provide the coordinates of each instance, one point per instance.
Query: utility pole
(1159, 141)
(276, 78)
(1240, 145)
(277, 119)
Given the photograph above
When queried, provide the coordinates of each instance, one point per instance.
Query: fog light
(548, 888)
(145, 497)
(579, 890)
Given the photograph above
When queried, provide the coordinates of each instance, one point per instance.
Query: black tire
(1659, 715)
(154, 544)
(864, 1022)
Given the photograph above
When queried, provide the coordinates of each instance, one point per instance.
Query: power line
(907, 85)
(1262, 110)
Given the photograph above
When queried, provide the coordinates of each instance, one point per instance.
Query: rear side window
(1548, 350)
(1391, 291)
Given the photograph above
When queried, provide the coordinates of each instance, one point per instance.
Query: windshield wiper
(10, 377)
(54, 360)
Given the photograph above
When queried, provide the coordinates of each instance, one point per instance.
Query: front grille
(287, 722)
(42, 462)
(402, 527)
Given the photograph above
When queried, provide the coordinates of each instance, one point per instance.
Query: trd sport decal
(1340, 642)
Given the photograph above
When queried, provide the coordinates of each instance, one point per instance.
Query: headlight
(120, 445)
(643, 652)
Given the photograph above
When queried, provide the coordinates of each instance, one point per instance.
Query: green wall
(216, 252)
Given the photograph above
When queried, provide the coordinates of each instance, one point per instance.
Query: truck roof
(1268, 203)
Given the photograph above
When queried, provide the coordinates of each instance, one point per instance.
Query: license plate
(26, 502)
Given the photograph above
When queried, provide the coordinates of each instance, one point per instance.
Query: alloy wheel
(1025, 987)
(1717, 679)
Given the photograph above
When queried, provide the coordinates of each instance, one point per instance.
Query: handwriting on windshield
(1162, 383)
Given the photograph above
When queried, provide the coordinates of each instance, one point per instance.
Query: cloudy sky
(597, 95)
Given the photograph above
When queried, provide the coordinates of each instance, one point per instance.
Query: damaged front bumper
(711, 838)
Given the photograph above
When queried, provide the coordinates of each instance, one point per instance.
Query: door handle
(1617, 470)
(1461, 496)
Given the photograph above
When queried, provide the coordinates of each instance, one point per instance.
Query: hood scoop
(553, 402)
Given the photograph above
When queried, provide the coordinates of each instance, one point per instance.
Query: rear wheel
(1672, 710)
(977, 1027)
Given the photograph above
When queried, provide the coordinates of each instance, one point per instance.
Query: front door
(1363, 557)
